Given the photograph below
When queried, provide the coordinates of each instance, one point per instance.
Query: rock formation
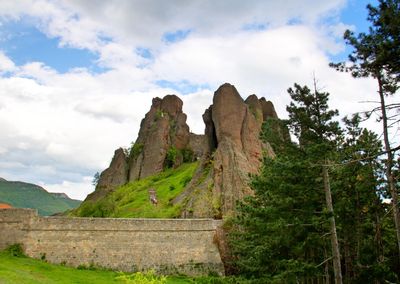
(163, 127)
(232, 129)
(229, 151)
(112, 177)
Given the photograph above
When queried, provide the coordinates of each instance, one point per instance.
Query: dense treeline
(325, 209)
(284, 230)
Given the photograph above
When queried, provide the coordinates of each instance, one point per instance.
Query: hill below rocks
(26, 195)
(226, 154)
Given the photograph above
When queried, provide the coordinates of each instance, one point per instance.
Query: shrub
(186, 180)
(135, 150)
(170, 158)
(148, 277)
(187, 155)
(15, 250)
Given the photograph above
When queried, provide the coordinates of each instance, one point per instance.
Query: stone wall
(167, 245)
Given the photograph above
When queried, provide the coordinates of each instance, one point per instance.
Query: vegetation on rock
(132, 199)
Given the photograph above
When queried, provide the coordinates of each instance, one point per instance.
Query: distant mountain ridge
(26, 195)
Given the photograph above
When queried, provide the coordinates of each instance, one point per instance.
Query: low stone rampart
(167, 245)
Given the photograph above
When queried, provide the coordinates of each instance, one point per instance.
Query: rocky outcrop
(198, 144)
(228, 152)
(268, 109)
(232, 129)
(163, 127)
(112, 177)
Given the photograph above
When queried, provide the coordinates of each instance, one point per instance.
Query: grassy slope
(132, 199)
(26, 195)
(25, 270)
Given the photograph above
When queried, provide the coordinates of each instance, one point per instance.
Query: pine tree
(376, 54)
(312, 122)
(283, 230)
(357, 188)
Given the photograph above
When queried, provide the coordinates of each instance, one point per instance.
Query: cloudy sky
(76, 77)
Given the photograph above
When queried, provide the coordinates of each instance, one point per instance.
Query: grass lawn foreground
(24, 270)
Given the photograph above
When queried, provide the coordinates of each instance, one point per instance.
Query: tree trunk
(334, 240)
(389, 163)
(327, 276)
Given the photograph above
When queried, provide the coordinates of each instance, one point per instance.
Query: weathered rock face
(268, 109)
(163, 127)
(112, 177)
(198, 144)
(229, 151)
(239, 149)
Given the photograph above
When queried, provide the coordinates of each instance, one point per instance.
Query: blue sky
(76, 79)
(24, 42)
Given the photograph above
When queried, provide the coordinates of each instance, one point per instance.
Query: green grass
(132, 200)
(24, 270)
(26, 195)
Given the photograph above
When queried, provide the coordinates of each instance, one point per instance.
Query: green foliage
(135, 150)
(96, 178)
(311, 120)
(175, 157)
(376, 53)
(187, 155)
(15, 250)
(281, 234)
(275, 132)
(279, 225)
(26, 195)
(132, 200)
(148, 277)
(171, 157)
(159, 114)
(102, 208)
(223, 280)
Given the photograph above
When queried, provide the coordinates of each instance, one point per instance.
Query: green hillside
(132, 200)
(26, 195)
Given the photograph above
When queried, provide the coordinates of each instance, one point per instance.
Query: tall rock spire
(228, 152)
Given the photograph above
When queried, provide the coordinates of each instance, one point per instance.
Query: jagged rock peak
(164, 127)
(228, 111)
(268, 109)
(170, 104)
(232, 129)
(112, 177)
(230, 150)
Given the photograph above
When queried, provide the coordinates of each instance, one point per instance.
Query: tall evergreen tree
(284, 232)
(279, 233)
(376, 54)
(357, 187)
(284, 229)
(311, 120)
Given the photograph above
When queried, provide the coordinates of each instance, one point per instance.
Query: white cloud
(74, 190)
(60, 128)
(6, 65)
